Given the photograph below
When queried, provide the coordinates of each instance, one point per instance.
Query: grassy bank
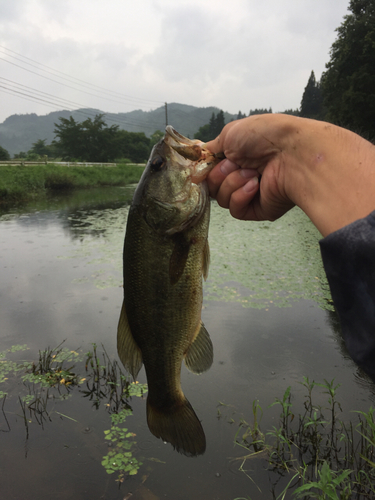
(19, 184)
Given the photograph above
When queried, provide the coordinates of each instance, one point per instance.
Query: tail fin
(179, 426)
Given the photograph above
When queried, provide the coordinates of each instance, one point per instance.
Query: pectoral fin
(178, 258)
(128, 351)
(200, 355)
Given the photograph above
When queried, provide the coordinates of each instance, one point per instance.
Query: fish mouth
(202, 160)
(179, 138)
(193, 161)
(187, 148)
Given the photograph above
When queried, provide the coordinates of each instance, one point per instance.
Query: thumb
(215, 145)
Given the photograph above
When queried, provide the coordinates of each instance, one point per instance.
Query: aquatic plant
(51, 369)
(323, 456)
(105, 379)
(120, 457)
(245, 268)
(7, 366)
(103, 384)
(327, 484)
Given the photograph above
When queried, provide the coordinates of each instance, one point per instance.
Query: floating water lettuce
(261, 263)
(256, 264)
(120, 457)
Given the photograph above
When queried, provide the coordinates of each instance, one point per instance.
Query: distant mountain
(19, 132)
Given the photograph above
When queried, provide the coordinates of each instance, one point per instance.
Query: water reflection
(61, 274)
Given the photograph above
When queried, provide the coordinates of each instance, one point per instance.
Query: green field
(19, 184)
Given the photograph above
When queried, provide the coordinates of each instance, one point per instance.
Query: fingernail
(248, 172)
(228, 166)
(250, 186)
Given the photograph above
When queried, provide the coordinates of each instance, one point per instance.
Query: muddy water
(267, 308)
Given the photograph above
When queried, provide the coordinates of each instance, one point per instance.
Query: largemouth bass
(166, 254)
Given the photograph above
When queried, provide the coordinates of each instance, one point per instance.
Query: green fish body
(166, 254)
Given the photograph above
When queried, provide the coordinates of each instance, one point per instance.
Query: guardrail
(65, 163)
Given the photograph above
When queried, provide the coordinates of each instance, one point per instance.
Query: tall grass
(319, 455)
(22, 183)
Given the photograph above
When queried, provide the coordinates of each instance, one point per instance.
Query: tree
(312, 99)
(20, 155)
(240, 115)
(212, 129)
(212, 123)
(69, 143)
(348, 84)
(219, 123)
(94, 141)
(204, 134)
(260, 111)
(156, 137)
(134, 145)
(91, 140)
(40, 148)
(293, 112)
(4, 155)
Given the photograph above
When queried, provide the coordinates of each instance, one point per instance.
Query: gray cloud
(235, 55)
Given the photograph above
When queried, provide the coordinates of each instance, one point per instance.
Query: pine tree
(219, 123)
(349, 81)
(212, 129)
(260, 111)
(312, 99)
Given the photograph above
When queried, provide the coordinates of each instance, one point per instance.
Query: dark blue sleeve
(349, 261)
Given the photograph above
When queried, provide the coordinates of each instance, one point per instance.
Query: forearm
(329, 172)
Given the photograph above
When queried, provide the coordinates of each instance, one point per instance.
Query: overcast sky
(233, 54)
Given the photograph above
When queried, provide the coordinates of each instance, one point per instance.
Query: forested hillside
(20, 132)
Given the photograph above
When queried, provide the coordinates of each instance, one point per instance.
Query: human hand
(254, 148)
(328, 171)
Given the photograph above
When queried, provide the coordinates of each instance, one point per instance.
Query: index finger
(217, 175)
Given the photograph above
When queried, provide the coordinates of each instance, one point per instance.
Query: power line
(60, 83)
(58, 101)
(57, 106)
(76, 81)
(34, 95)
(41, 93)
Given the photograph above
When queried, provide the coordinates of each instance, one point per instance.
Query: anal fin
(128, 351)
(200, 355)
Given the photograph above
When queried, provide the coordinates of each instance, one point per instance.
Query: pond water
(266, 306)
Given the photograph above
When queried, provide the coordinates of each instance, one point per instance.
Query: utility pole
(166, 114)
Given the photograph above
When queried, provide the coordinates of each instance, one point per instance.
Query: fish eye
(157, 164)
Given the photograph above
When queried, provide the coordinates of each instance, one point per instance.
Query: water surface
(267, 308)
